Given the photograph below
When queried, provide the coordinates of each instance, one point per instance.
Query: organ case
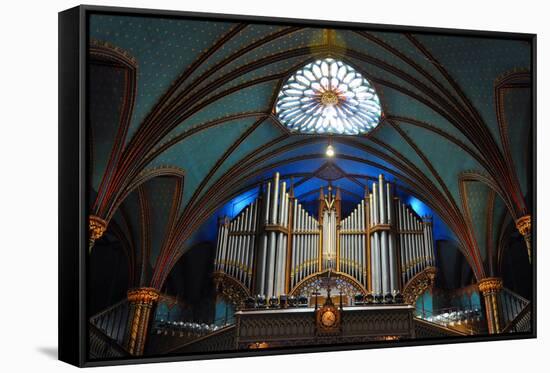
(274, 245)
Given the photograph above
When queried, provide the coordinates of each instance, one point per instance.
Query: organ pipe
(392, 257)
(377, 262)
(275, 198)
(385, 288)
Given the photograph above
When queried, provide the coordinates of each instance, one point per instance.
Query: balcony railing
(189, 328)
(465, 319)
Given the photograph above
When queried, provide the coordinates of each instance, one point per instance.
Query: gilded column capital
(97, 228)
(490, 285)
(523, 225)
(143, 295)
(141, 303)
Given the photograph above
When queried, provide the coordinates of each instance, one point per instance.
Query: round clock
(328, 319)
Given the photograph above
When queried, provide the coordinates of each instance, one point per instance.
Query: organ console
(275, 248)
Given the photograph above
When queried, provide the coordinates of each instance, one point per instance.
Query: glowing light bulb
(330, 151)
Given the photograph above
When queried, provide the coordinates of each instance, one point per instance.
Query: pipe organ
(274, 247)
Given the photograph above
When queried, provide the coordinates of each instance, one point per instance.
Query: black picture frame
(73, 230)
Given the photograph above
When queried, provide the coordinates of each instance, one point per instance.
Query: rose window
(328, 97)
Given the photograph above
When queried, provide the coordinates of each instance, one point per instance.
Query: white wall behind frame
(28, 188)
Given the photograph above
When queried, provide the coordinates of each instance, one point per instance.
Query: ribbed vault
(192, 101)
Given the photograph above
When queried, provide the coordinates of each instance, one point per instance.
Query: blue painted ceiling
(237, 141)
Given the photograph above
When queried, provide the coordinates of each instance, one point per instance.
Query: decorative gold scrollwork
(523, 225)
(419, 284)
(143, 295)
(231, 289)
(490, 285)
(141, 302)
(97, 228)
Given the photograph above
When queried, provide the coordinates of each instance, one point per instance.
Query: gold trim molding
(490, 285)
(97, 228)
(143, 295)
(230, 288)
(305, 282)
(380, 227)
(141, 302)
(523, 225)
(417, 285)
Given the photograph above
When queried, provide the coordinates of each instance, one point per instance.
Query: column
(141, 302)
(490, 288)
(523, 225)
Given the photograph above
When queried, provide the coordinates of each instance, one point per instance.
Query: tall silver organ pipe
(428, 240)
(329, 216)
(392, 254)
(263, 250)
(384, 233)
(329, 243)
(274, 244)
(376, 264)
(272, 239)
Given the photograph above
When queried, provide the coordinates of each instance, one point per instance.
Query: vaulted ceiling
(192, 100)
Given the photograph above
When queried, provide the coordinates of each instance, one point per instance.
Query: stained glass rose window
(328, 97)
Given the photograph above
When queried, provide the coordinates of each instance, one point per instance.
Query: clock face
(328, 319)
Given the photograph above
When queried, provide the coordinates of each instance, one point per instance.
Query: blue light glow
(440, 229)
(419, 207)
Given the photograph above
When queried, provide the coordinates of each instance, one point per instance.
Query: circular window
(328, 97)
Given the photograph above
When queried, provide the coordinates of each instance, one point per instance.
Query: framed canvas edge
(72, 225)
(151, 12)
(69, 136)
(312, 349)
(534, 200)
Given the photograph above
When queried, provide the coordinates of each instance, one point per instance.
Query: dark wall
(191, 281)
(453, 269)
(515, 267)
(107, 274)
